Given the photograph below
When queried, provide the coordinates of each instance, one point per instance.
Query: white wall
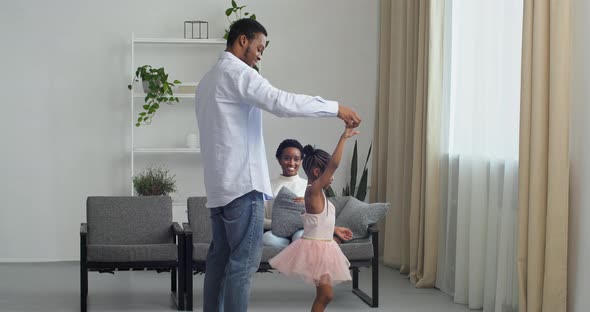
(579, 220)
(65, 112)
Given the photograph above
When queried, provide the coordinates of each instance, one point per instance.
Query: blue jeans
(234, 254)
(269, 239)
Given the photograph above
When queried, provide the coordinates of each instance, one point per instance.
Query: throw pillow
(339, 202)
(357, 216)
(286, 214)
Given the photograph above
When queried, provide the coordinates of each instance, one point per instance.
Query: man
(229, 103)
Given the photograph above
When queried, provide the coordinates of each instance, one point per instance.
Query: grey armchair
(132, 233)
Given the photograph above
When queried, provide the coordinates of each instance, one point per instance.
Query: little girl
(317, 257)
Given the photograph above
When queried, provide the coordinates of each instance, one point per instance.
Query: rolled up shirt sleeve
(257, 91)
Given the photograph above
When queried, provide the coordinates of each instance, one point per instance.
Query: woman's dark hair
(244, 26)
(314, 158)
(288, 143)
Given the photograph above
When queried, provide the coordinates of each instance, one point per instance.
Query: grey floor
(52, 287)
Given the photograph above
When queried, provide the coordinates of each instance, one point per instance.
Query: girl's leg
(324, 294)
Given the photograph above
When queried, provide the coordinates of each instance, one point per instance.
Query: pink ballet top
(316, 257)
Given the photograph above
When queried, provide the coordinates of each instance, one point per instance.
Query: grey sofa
(360, 253)
(132, 233)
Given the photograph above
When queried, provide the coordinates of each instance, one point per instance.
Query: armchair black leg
(83, 287)
(173, 280)
(83, 272)
(374, 300)
(177, 284)
(188, 272)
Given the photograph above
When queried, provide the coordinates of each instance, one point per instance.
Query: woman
(289, 155)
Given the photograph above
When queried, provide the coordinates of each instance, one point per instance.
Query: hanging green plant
(158, 90)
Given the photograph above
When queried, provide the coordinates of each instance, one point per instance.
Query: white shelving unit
(167, 153)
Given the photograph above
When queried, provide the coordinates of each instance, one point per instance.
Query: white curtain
(479, 175)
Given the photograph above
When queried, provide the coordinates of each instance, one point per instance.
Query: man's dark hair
(244, 26)
(288, 143)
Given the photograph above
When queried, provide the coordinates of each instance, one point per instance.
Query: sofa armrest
(187, 228)
(177, 229)
(83, 229)
(373, 229)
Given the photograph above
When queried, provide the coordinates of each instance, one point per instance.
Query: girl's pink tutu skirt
(316, 261)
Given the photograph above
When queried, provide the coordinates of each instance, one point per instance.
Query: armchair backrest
(199, 219)
(129, 220)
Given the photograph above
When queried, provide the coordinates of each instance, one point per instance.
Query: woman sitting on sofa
(289, 155)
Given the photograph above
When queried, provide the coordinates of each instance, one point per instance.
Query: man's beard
(246, 55)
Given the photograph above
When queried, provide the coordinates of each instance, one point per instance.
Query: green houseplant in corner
(351, 187)
(154, 181)
(157, 88)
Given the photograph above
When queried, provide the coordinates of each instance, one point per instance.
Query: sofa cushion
(286, 214)
(200, 251)
(129, 220)
(357, 216)
(199, 219)
(358, 249)
(339, 202)
(132, 253)
(269, 252)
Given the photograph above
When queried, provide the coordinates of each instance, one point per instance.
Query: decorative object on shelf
(192, 25)
(157, 88)
(192, 140)
(351, 187)
(154, 181)
(237, 11)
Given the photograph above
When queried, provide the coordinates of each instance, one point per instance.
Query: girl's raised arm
(326, 176)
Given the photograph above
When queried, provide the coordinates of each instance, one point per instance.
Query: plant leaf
(362, 190)
(228, 11)
(253, 16)
(330, 192)
(234, 4)
(368, 154)
(353, 168)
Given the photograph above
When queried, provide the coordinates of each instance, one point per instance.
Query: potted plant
(157, 88)
(351, 187)
(154, 181)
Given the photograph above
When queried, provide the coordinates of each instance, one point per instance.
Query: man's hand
(349, 116)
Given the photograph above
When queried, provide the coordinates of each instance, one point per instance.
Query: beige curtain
(544, 157)
(407, 162)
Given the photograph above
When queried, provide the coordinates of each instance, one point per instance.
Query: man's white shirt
(229, 103)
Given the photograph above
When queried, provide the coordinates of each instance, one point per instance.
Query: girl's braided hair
(314, 158)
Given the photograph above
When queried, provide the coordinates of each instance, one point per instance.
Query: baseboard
(34, 260)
